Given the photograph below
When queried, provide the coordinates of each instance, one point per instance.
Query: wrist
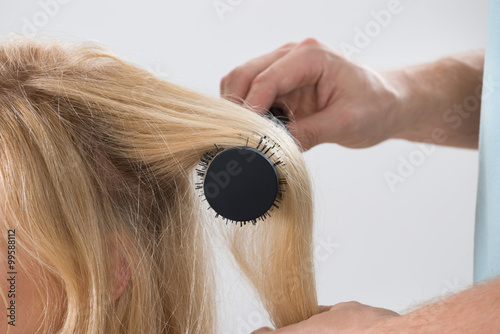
(411, 103)
(431, 97)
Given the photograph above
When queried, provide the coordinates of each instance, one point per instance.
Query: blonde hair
(92, 146)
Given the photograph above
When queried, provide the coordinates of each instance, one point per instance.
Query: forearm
(440, 101)
(476, 310)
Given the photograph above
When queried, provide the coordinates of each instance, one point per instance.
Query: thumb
(311, 130)
(262, 330)
(323, 308)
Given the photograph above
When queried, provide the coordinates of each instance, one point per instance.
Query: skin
(331, 99)
(29, 303)
(335, 100)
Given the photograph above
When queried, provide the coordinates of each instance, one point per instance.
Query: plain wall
(391, 248)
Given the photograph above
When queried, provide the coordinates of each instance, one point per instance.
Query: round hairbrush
(242, 183)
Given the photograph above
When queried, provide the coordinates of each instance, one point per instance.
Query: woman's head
(96, 164)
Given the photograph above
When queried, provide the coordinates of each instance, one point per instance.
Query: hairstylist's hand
(332, 99)
(344, 318)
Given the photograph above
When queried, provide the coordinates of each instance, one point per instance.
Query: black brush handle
(280, 114)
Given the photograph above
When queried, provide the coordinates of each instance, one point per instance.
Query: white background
(385, 248)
